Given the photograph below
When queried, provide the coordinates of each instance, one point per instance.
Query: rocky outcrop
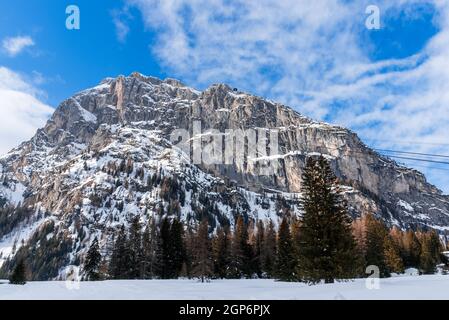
(92, 166)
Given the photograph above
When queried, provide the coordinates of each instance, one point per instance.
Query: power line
(427, 167)
(414, 153)
(400, 157)
(411, 142)
(417, 159)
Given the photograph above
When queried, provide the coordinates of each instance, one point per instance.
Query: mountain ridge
(106, 154)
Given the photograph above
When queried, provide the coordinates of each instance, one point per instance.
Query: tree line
(323, 245)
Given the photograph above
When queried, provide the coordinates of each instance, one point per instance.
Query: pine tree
(221, 247)
(258, 248)
(376, 233)
(286, 262)
(295, 232)
(118, 266)
(146, 253)
(327, 248)
(167, 259)
(135, 249)
(93, 261)
(269, 251)
(177, 246)
(151, 251)
(173, 252)
(240, 251)
(189, 243)
(430, 252)
(202, 260)
(18, 275)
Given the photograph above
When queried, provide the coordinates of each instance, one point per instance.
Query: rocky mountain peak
(108, 154)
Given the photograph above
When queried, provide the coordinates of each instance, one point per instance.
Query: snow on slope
(401, 288)
(71, 170)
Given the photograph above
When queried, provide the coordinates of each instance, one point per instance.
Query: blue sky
(73, 60)
(388, 85)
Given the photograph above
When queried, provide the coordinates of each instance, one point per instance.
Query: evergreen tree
(327, 248)
(93, 261)
(269, 251)
(286, 262)
(151, 251)
(135, 249)
(146, 253)
(376, 233)
(167, 259)
(18, 275)
(258, 249)
(189, 244)
(221, 246)
(240, 251)
(430, 252)
(177, 246)
(119, 264)
(202, 260)
(173, 253)
(295, 232)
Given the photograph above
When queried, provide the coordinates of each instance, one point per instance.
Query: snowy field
(405, 287)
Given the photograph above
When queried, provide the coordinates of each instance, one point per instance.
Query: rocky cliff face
(109, 153)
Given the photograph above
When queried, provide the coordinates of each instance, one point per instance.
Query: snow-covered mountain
(108, 154)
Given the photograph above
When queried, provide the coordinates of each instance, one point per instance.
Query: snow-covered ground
(404, 287)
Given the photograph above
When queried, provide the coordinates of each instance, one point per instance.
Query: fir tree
(327, 248)
(18, 275)
(93, 261)
(173, 253)
(135, 249)
(151, 251)
(189, 244)
(269, 251)
(258, 249)
(430, 252)
(177, 246)
(202, 260)
(295, 232)
(167, 260)
(119, 264)
(286, 263)
(240, 251)
(376, 233)
(221, 246)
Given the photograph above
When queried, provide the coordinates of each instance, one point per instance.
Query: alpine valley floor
(401, 287)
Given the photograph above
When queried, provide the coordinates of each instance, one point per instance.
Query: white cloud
(309, 55)
(22, 111)
(121, 28)
(14, 45)
(120, 20)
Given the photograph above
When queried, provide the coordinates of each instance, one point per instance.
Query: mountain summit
(112, 152)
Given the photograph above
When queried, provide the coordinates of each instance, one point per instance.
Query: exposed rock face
(107, 153)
